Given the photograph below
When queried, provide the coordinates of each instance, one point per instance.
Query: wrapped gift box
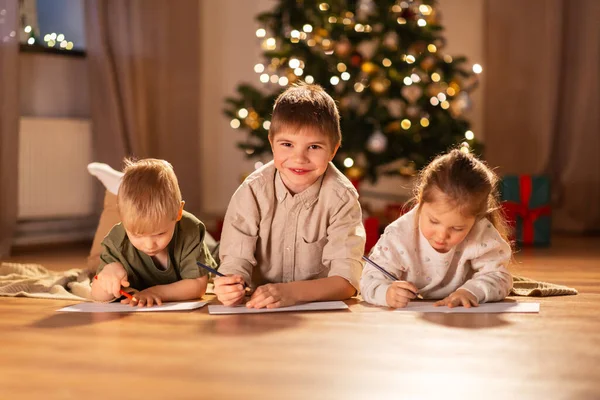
(526, 204)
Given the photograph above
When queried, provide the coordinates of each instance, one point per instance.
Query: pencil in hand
(386, 273)
(214, 271)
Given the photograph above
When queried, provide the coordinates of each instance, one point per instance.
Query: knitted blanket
(34, 280)
(528, 287)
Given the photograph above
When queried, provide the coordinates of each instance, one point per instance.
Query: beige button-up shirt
(272, 236)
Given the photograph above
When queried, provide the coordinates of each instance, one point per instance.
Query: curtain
(9, 122)
(143, 58)
(542, 102)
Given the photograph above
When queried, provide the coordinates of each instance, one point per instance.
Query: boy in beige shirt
(293, 229)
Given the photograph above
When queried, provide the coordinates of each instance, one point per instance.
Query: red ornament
(407, 14)
(356, 59)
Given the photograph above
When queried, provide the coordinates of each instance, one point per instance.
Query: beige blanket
(34, 280)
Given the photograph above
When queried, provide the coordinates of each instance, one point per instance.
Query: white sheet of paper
(122, 308)
(504, 307)
(242, 309)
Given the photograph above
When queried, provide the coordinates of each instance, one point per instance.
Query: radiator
(53, 179)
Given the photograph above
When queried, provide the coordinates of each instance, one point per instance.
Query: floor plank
(365, 352)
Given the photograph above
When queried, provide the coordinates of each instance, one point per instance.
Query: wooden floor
(363, 353)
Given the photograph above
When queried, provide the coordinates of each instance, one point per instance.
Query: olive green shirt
(186, 247)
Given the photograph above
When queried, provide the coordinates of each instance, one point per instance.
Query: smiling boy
(293, 229)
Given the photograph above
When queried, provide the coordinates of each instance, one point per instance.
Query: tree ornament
(354, 173)
(322, 32)
(369, 68)
(408, 169)
(411, 93)
(327, 45)
(461, 104)
(368, 48)
(356, 59)
(395, 107)
(393, 126)
(391, 40)
(364, 9)
(428, 63)
(379, 85)
(343, 47)
(377, 142)
(413, 111)
(408, 14)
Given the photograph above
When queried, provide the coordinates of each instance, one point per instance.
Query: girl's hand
(460, 297)
(112, 277)
(147, 297)
(230, 289)
(272, 295)
(400, 293)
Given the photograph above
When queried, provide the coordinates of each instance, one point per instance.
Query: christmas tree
(401, 98)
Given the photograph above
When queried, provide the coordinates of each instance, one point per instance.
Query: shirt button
(288, 249)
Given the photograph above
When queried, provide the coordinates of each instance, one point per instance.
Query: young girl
(451, 246)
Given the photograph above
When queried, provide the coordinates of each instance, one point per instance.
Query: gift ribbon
(528, 215)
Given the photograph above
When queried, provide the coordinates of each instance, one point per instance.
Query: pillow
(109, 218)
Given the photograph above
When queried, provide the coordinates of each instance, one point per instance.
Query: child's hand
(272, 295)
(112, 277)
(230, 289)
(147, 297)
(400, 293)
(460, 297)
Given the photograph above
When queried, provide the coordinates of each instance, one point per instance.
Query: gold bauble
(428, 63)
(394, 126)
(355, 173)
(379, 85)
(369, 68)
(408, 169)
(455, 86)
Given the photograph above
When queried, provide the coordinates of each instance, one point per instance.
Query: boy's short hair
(148, 195)
(306, 106)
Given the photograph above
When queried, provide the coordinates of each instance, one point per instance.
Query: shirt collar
(309, 196)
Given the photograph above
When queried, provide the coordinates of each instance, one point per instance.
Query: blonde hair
(465, 181)
(305, 106)
(148, 195)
